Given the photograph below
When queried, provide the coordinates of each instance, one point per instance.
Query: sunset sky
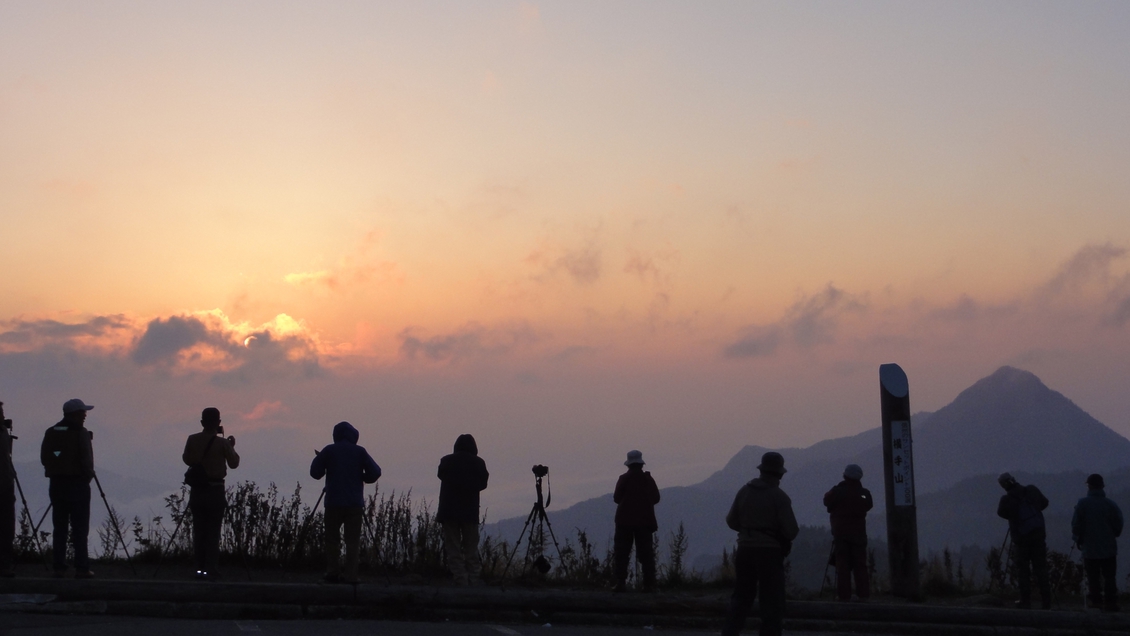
(569, 228)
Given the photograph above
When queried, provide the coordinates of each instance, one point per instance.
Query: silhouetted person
(1023, 507)
(7, 498)
(635, 497)
(1095, 527)
(68, 461)
(347, 467)
(462, 475)
(208, 500)
(763, 516)
(847, 503)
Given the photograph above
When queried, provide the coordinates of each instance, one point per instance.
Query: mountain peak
(1011, 377)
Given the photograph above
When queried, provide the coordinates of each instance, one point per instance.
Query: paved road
(36, 625)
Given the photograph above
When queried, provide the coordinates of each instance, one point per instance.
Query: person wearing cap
(762, 515)
(347, 467)
(635, 497)
(848, 503)
(1023, 506)
(68, 461)
(1095, 528)
(462, 477)
(208, 500)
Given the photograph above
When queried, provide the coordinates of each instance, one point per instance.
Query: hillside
(1008, 421)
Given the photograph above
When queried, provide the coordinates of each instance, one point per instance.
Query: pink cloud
(265, 409)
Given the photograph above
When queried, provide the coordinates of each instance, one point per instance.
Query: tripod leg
(824, 581)
(172, 537)
(27, 511)
(519, 541)
(114, 521)
(47, 561)
(554, 537)
(306, 526)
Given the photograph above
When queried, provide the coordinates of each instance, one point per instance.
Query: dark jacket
(763, 515)
(347, 467)
(7, 471)
(847, 503)
(635, 496)
(1023, 507)
(67, 452)
(463, 475)
(1096, 525)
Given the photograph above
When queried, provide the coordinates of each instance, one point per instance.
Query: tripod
(538, 512)
(27, 511)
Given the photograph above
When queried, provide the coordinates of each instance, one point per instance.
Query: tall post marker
(898, 480)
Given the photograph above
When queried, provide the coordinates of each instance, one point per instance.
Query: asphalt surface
(36, 625)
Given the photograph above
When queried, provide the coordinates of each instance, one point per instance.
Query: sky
(571, 229)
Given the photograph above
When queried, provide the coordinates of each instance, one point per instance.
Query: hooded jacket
(763, 515)
(462, 475)
(347, 467)
(635, 496)
(848, 503)
(1096, 525)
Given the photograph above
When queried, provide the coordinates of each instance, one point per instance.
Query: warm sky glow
(569, 228)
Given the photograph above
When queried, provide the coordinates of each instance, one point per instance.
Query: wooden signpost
(898, 479)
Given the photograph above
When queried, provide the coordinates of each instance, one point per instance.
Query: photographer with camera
(68, 461)
(463, 475)
(7, 498)
(208, 455)
(635, 496)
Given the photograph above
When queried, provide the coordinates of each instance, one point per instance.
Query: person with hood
(68, 461)
(848, 503)
(1023, 506)
(762, 515)
(462, 475)
(1095, 528)
(347, 467)
(214, 454)
(635, 497)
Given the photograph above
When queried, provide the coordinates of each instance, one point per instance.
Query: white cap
(75, 404)
(634, 457)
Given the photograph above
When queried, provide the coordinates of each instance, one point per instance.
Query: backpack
(196, 476)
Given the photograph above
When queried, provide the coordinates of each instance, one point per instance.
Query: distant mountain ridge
(1007, 421)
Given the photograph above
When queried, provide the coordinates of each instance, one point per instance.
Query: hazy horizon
(570, 229)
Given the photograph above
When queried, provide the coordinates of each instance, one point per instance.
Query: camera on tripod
(540, 471)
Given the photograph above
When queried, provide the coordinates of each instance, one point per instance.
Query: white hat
(634, 457)
(75, 404)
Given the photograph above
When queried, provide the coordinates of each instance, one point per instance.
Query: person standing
(848, 503)
(462, 475)
(347, 467)
(762, 515)
(635, 497)
(7, 498)
(68, 461)
(1023, 506)
(1095, 528)
(207, 498)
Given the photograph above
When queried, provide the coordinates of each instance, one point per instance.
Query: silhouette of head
(853, 471)
(210, 417)
(1007, 481)
(772, 463)
(465, 443)
(635, 458)
(1095, 482)
(74, 410)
